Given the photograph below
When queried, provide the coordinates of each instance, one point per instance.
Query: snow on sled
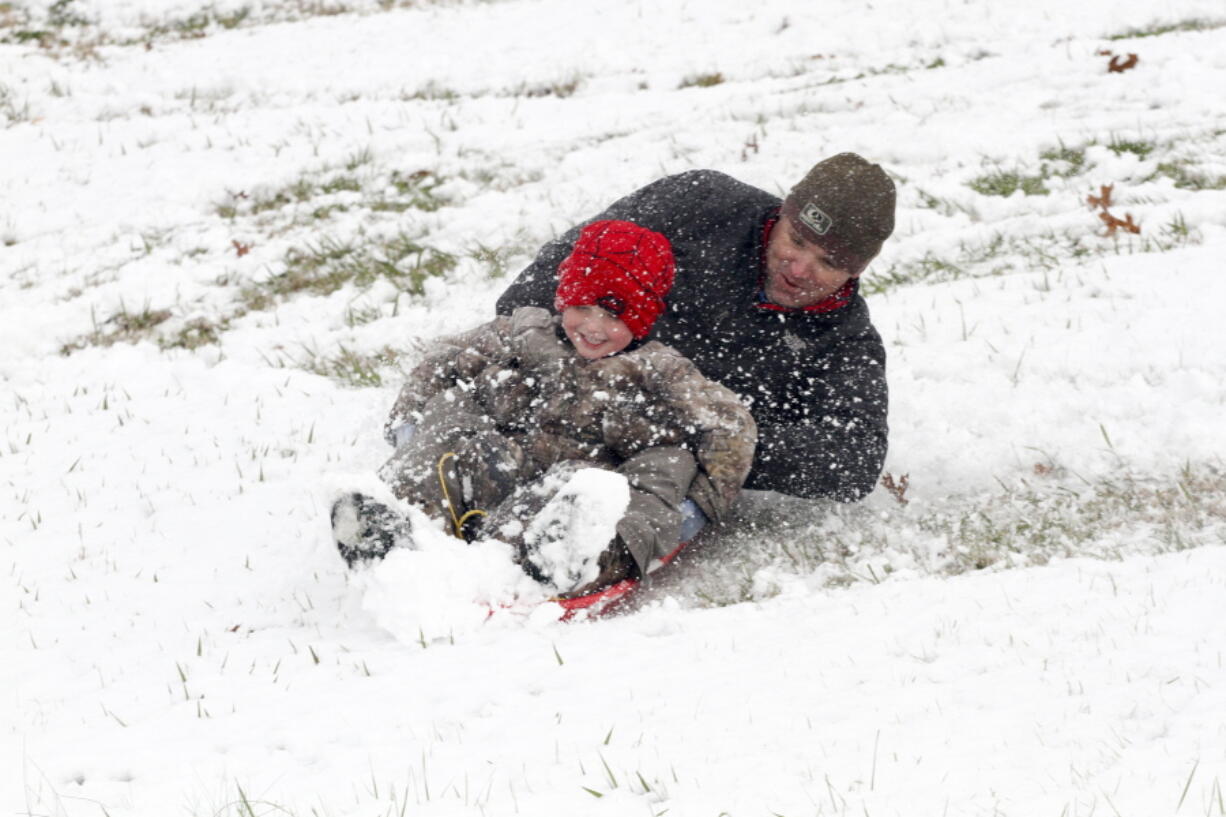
(608, 599)
(568, 535)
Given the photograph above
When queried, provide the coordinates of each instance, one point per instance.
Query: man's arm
(811, 461)
(535, 286)
(838, 452)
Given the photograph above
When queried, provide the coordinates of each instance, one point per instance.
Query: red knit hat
(621, 267)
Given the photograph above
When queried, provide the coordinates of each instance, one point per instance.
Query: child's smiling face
(595, 332)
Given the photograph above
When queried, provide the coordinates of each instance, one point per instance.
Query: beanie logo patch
(816, 220)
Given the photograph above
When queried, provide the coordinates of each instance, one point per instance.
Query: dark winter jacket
(547, 405)
(815, 382)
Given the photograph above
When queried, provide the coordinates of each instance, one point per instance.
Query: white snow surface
(182, 637)
(441, 590)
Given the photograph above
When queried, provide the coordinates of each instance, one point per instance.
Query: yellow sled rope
(456, 521)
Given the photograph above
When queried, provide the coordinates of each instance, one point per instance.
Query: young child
(493, 420)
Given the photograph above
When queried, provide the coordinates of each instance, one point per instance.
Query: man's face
(595, 332)
(799, 273)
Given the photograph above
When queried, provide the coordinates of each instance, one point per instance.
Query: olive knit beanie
(845, 205)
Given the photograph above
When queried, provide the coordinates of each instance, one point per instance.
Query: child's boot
(365, 530)
(480, 473)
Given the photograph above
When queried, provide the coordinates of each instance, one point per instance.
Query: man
(766, 301)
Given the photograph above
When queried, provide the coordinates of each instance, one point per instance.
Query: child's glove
(401, 434)
(615, 564)
(692, 520)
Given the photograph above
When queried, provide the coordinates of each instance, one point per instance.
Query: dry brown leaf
(897, 488)
(1103, 199)
(1113, 223)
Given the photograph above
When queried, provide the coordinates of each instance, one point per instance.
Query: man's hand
(615, 563)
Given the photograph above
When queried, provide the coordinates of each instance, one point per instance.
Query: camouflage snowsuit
(514, 401)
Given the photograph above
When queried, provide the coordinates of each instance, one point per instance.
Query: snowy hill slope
(225, 228)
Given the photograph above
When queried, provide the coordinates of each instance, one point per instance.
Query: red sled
(610, 598)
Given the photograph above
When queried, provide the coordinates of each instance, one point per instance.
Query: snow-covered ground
(222, 232)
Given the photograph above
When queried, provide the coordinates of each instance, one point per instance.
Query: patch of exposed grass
(927, 268)
(994, 248)
(1008, 182)
(122, 327)
(1187, 177)
(359, 315)
(500, 176)
(561, 88)
(360, 158)
(12, 111)
(300, 191)
(50, 32)
(885, 70)
(400, 192)
(1157, 29)
(323, 267)
(1063, 161)
(196, 333)
(1060, 162)
(20, 36)
(430, 92)
(192, 27)
(63, 13)
(316, 268)
(412, 191)
(708, 80)
(1042, 252)
(353, 368)
(50, 29)
(944, 206)
(1032, 521)
(495, 260)
(1177, 233)
(893, 68)
(209, 20)
(1141, 148)
(319, 268)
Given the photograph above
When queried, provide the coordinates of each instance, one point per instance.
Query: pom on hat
(621, 267)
